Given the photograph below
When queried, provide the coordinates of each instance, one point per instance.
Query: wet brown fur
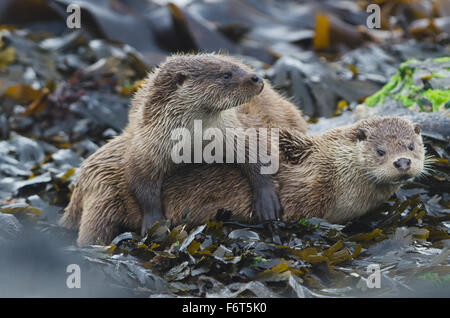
(101, 205)
(324, 176)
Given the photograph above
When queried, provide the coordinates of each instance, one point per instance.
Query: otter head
(204, 83)
(390, 149)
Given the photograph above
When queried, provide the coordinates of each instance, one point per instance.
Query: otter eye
(380, 153)
(411, 147)
(227, 75)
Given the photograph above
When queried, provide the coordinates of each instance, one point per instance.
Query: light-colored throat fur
(155, 137)
(354, 192)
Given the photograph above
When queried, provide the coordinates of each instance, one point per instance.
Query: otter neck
(151, 130)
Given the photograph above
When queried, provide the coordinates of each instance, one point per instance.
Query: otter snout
(402, 164)
(257, 80)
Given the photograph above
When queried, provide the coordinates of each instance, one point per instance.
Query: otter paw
(266, 205)
(148, 220)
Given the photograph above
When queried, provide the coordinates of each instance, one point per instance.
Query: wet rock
(315, 86)
(244, 234)
(28, 151)
(66, 159)
(4, 129)
(10, 227)
(105, 109)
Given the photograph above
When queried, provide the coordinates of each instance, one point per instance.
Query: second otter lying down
(338, 175)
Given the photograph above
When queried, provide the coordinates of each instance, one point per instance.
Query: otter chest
(355, 201)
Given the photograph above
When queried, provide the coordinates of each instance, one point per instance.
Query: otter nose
(256, 78)
(402, 164)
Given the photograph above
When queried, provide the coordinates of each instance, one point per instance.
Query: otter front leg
(265, 204)
(148, 195)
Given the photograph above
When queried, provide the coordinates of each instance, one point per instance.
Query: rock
(10, 227)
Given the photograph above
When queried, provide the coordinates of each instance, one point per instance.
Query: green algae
(436, 279)
(415, 84)
(437, 97)
(442, 59)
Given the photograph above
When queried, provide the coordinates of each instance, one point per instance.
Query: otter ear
(180, 77)
(417, 129)
(360, 134)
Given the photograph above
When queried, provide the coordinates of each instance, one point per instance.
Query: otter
(338, 175)
(183, 89)
(134, 164)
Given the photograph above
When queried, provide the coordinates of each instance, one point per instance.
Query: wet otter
(337, 175)
(184, 88)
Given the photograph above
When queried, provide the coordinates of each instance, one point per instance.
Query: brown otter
(183, 89)
(337, 175)
(208, 86)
